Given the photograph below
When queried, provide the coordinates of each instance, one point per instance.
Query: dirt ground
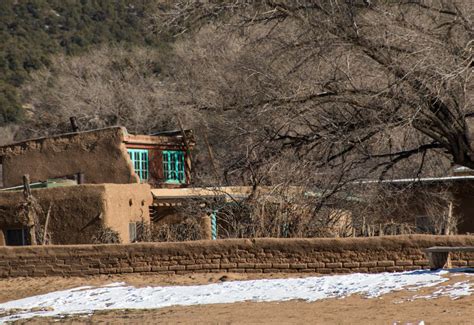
(395, 308)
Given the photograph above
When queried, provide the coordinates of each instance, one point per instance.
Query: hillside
(32, 31)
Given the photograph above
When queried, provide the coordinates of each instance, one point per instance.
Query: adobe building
(108, 155)
(414, 201)
(92, 180)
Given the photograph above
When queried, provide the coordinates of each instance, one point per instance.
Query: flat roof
(420, 179)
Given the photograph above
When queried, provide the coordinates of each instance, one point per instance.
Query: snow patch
(86, 300)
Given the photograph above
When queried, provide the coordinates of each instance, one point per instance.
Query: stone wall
(378, 254)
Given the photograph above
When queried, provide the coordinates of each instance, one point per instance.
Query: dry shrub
(188, 229)
(106, 235)
(280, 214)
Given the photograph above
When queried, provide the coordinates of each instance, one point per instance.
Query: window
(132, 230)
(173, 167)
(16, 237)
(139, 159)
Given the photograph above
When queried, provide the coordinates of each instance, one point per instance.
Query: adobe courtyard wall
(100, 154)
(376, 254)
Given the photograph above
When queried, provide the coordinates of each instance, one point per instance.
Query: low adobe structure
(77, 214)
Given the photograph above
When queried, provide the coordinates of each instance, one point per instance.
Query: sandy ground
(394, 308)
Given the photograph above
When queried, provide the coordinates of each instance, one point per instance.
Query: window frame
(24, 236)
(132, 232)
(174, 166)
(141, 163)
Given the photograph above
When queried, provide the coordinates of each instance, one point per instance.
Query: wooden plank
(446, 249)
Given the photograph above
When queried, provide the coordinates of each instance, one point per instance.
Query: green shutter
(139, 159)
(174, 167)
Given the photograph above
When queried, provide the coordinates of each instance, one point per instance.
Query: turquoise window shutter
(139, 159)
(174, 167)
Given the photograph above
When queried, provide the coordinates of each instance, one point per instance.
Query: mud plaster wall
(464, 206)
(79, 212)
(375, 254)
(100, 154)
(125, 204)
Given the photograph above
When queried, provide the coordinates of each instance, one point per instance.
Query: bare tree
(381, 82)
(104, 87)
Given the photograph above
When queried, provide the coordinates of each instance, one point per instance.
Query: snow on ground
(85, 300)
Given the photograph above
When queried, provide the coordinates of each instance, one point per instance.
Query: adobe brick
(228, 265)
(385, 263)
(237, 270)
(280, 265)
(334, 265)
(316, 265)
(194, 267)
(298, 266)
(159, 268)
(403, 263)
(142, 269)
(323, 270)
(263, 265)
(125, 270)
(368, 264)
(210, 266)
(422, 263)
(245, 265)
(91, 272)
(183, 272)
(273, 270)
(168, 272)
(108, 271)
(177, 267)
(351, 264)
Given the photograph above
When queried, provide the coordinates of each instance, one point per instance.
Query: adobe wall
(75, 212)
(125, 203)
(100, 154)
(79, 212)
(464, 207)
(375, 254)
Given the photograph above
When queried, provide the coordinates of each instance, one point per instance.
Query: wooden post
(188, 151)
(26, 186)
(29, 209)
(74, 125)
(46, 223)
(448, 224)
(211, 158)
(80, 178)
